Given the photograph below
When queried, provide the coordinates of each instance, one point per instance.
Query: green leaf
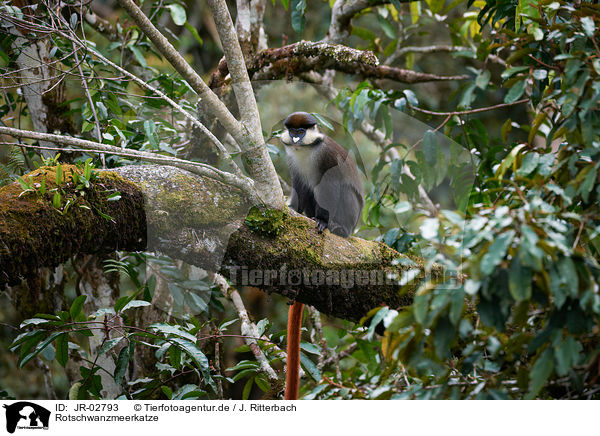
(323, 121)
(568, 275)
(310, 348)
(102, 112)
(240, 375)
(35, 335)
(175, 357)
(115, 196)
(262, 383)
(121, 366)
(457, 305)
(496, 252)
(588, 183)
(177, 13)
(513, 70)
(108, 345)
(443, 337)
(150, 129)
(77, 306)
(298, 19)
(24, 185)
(540, 74)
(397, 5)
(167, 391)
(192, 350)
(74, 391)
(310, 367)
(39, 348)
(56, 200)
(62, 349)
(121, 302)
(387, 27)
(381, 313)
(173, 330)
(194, 33)
(483, 79)
(589, 27)
(515, 92)
(34, 321)
(430, 147)
(59, 174)
(539, 373)
(135, 303)
(363, 33)
(567, 354)
(138, 55)
(415, 11)
(528, 164)
(519, 280)
(247, 389)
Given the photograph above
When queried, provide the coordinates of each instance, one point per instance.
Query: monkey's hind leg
(294, 330)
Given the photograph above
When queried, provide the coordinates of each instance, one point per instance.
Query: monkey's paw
(321, 225)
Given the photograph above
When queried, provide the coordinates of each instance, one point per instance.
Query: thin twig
(248, 328)
(471, 111)
(90, 102)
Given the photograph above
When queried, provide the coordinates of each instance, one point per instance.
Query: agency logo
(26, 415)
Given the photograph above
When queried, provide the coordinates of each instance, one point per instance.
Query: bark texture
(205, 223)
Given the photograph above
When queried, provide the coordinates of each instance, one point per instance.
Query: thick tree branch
(202, 222)
(304, 56)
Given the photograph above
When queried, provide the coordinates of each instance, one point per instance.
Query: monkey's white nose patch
(295, 139)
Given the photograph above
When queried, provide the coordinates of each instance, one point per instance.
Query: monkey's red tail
(294, 328)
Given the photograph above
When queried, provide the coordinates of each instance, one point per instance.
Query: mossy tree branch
(205, 223)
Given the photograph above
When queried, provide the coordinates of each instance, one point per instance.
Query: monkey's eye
(297, 132)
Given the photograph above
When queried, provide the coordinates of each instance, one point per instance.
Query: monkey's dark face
(297, 134)
(301, 129)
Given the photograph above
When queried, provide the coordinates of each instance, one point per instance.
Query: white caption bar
(283, 418)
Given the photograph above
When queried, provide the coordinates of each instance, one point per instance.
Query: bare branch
(255, 154)
(342, 13)
(210, 100)
(307, 56)
(237, 69)
(248, 328)
(221, 149)
(90, 102)
(243, 183)
(470, 111)
(242, 26)
(402, 51)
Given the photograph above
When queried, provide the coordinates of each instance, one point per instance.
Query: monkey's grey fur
(325, 181)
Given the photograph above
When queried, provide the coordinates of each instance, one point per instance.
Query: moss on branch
(34, 233)
(205, 223)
